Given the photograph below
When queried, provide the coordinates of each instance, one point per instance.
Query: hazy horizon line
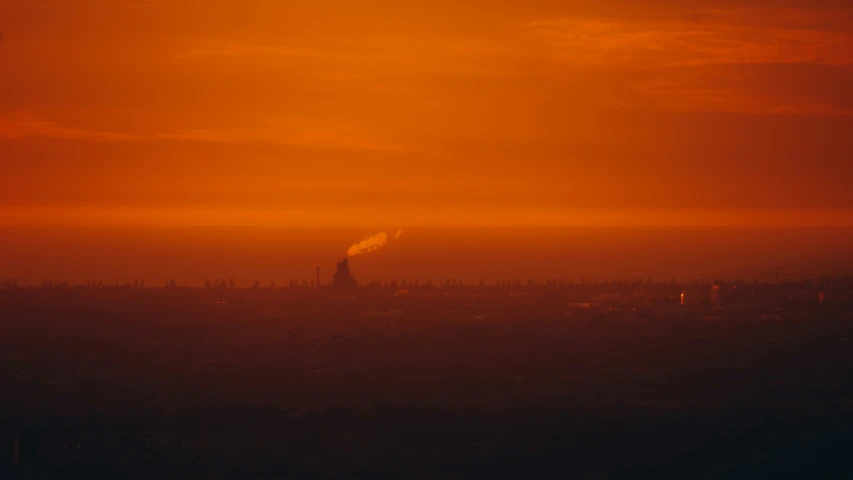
(346, 217)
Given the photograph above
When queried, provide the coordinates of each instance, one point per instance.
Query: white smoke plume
(372, 243)
(369, 244)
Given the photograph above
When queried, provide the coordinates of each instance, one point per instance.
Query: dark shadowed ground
(443, 382)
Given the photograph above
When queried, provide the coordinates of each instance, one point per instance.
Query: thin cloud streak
(11, 129)
(706, 63)
(642, 45)
(296, 132)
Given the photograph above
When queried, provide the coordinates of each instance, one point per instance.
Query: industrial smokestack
(343, 277)
(318, 277)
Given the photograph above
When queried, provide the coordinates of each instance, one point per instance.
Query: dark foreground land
(456, 383)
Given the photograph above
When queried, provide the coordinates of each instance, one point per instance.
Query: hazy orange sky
(469, 112)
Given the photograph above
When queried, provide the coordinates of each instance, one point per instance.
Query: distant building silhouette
(693, 295)
(343, 277)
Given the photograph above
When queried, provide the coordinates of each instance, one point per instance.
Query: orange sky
(469, 112)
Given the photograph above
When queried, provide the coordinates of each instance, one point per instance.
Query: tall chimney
(318, 277)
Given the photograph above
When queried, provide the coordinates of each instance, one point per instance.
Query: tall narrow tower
(343, 277)
(318, 277)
